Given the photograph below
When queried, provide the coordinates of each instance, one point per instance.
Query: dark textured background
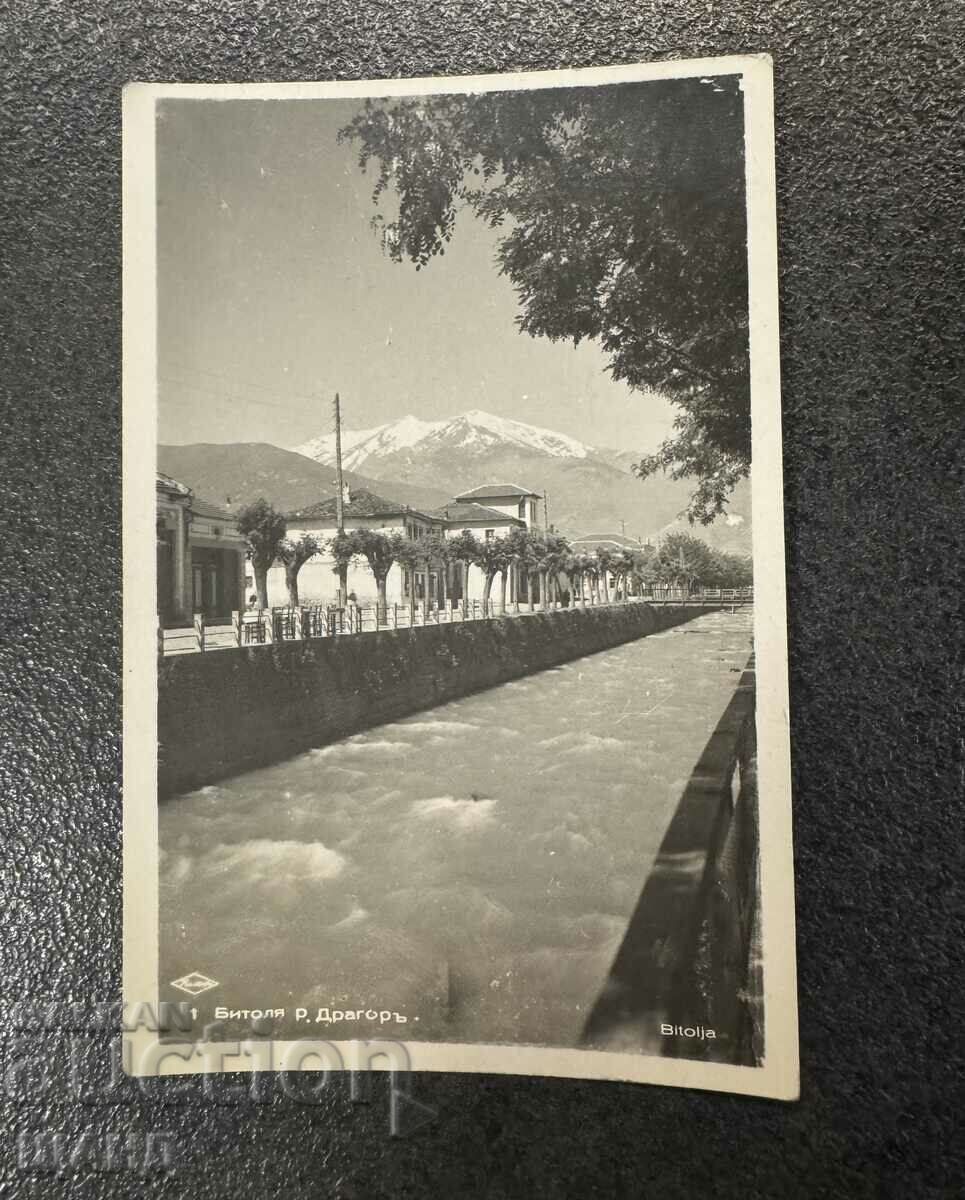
(870, 158)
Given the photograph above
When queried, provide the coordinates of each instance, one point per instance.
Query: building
(440, 583)
(616, 543)
(589, 543)
(485, 524)
(507, 498)
(200, 556)
(362, 509)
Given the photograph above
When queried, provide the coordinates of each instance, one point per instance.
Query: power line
(233, 399)
(234, 380)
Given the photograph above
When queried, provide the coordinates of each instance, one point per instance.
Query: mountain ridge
(473, 428)
(427, 463)
(586, 487)
(240, 472)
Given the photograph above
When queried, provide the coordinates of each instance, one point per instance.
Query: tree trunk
(291, 579)
(604, 583)
(487, 589)
(342, 584)
(383, 603)
(261, 585)
(444, 584)
(502, 593)
(530, 580)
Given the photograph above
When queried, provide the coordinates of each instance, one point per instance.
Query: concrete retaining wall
(230, 711)
(690, 956)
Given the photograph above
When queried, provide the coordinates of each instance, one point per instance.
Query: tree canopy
(622, 220)
(294, 553)
(264, 531)
(683, 559)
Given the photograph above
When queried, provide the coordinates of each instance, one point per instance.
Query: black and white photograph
(454, 617)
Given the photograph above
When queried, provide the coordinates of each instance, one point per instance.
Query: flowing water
(472, 867)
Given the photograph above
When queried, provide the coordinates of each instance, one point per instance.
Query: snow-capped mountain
(587, 488)
(472, 430)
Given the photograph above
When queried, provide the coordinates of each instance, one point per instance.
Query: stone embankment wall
(230, 711)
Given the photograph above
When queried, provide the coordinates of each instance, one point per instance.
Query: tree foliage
(294, 553)
(381, 550)
(687, 561)
(681, 560)
(622, 220)
(344, 549)
(264, 530)
(491, 557)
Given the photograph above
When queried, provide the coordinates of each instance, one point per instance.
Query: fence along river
(473, 867)
(261, 627)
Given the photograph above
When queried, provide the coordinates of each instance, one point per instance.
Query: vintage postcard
(455, 679)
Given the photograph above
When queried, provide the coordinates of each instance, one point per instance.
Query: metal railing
(287, 624)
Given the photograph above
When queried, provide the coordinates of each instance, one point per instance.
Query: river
(472, 867)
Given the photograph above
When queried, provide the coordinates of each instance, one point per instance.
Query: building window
(490, 534)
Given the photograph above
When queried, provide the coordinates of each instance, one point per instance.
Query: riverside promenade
(474, 867)
(270, 626)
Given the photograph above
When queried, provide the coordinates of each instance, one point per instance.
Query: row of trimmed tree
(549, 565)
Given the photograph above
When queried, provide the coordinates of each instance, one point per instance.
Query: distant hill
(588, 489)
(731, 533)
(427, 463)
(240, 472)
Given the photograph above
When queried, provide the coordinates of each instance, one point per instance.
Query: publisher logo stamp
(194, 983)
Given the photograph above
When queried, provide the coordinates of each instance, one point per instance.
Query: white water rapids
(473, 867)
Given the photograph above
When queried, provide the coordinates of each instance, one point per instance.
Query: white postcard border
(778, 1076)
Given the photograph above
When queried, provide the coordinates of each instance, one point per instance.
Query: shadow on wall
(226, 713)
(687, 980)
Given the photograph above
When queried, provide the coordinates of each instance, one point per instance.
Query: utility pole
(340, 502)
(339, 494)
(623, 527)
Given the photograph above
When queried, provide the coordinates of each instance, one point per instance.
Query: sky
(274, 293)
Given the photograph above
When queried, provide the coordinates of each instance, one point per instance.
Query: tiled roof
(166, 484)
(204, 508)
(491, 491)
(459, 511)
(197, 504)
(361, 503)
